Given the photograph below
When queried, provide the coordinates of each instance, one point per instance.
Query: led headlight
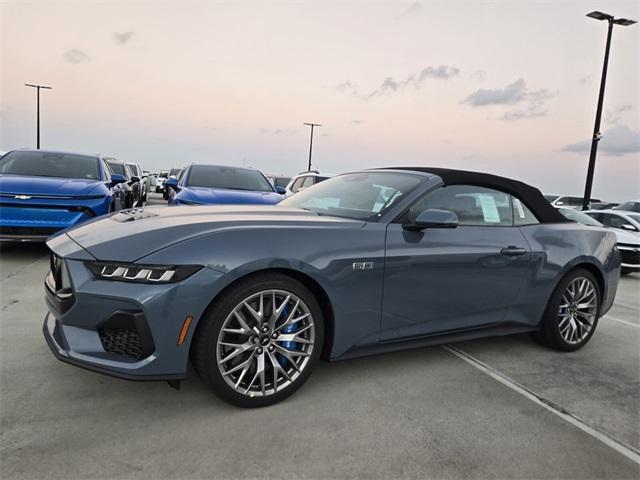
(129, 272)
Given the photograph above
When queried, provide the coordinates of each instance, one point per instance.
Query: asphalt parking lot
(493, 408)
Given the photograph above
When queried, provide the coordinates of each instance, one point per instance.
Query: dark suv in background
(131, 187)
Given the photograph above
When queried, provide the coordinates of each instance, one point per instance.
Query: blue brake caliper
(288, 345)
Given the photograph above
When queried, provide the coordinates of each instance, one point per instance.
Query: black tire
(203, 351)
(549, 334)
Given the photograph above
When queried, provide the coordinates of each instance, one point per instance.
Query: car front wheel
(571, 316)
(260, 340)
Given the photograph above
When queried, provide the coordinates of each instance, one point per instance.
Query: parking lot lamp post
(312, 125)
(38, 87)
(596, 129)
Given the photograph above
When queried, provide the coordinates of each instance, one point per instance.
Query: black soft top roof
(531, 196)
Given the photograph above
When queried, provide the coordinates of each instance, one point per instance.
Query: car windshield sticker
(518, 205)
(489, 208)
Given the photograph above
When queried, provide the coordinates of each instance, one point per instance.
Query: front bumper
(630, 255)
(37, 219)
(125, 330)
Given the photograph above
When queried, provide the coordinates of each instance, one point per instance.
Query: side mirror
(628, 227)
(116, 178)
(134, 179)
(171, 182)
(281, 190)
(559, 203)
(432, 218)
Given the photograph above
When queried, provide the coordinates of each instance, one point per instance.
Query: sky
(503, 87)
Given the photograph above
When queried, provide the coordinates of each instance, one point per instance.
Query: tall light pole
(38, 87)
(596, 129)
(312, 125)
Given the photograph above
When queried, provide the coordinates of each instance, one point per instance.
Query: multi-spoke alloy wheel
(578, 310)
(265, 343)
(571, 316)
(260, 340)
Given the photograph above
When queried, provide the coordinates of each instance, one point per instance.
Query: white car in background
(568, 201)
(626, 226)
(160, 178)
(630, 206)
(305, 180)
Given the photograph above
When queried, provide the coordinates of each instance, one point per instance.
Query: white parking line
(609, 317)
(626, 450)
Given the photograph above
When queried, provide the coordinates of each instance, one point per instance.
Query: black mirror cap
(433, 218)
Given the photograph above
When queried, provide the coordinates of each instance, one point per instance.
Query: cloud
(509, 95)
(122, 38)
(516, 93)
(584, 80)
(614, 114)
(76, 56)
(390, 85)
(276, 131)
(478, 75)
(415, 7)
(616, 141)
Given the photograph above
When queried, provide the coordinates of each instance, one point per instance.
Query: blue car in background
(221, 185)
(43, 192)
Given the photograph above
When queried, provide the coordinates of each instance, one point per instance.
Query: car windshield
(117, 168)
(210, 176)
(634, 216)
(163, 175)
(630, 206)
(281, 181)
(578, 216)
(134, 169)
(361, 196)
(46, 164)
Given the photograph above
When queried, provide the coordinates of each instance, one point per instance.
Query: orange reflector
(184, 329)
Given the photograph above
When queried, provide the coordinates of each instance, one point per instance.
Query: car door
(446, 279)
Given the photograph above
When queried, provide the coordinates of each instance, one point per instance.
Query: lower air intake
(122, 341)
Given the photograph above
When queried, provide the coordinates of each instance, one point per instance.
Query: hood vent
(131, 215)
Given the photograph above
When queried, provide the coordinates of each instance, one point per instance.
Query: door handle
(513, 251)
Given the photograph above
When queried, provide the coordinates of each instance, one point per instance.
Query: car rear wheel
(572, 314)
(260, 340)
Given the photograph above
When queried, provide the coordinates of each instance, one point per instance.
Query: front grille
(630, 257)
(29, 231)
(121, 341)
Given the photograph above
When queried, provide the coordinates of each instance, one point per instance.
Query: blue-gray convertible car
(363, 263)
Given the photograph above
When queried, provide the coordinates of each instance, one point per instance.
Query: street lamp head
(624, 22)
(599, 16)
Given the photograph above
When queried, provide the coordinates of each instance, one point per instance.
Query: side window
(297, 184)
(596, 216)
(308, 181)
(521, 214)
(574, 201)
(473, 205)
(613, 221)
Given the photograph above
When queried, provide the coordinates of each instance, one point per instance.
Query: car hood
(632, 238)
(129, 235)
(221, 196)
(35, 186)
